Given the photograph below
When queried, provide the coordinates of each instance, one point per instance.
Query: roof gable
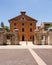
(20, 17)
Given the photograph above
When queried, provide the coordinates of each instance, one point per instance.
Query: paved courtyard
(16, 57)
(26, 55)
(45, 54)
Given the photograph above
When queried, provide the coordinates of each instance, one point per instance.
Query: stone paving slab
(25, 46)
(45, 55)
(16, 57)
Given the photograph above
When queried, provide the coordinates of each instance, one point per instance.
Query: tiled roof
(47, 22)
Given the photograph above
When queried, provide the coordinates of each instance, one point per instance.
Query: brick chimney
(23, 12)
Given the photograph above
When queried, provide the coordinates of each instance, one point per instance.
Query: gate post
(16, 36)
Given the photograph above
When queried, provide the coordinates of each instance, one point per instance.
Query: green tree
(6, 28)
(50, 25)
(2, 24)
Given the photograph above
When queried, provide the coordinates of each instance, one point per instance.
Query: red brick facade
(25, 25)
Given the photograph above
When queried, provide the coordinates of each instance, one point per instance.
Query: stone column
(4, 39)
(37, 39)
(1, 38)
(16, 38)
(12, 37)
(43, 41)
(50, 38)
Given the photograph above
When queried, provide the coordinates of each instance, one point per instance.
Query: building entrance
(23, 38)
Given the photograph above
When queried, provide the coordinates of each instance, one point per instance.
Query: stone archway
(11, 38)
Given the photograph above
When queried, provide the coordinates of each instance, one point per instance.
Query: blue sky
(38, 9)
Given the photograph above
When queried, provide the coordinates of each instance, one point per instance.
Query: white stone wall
(50, 38)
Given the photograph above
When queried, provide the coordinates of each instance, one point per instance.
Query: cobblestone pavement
(45, 54)
(16, 57)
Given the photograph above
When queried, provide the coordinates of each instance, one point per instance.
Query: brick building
(25, 25)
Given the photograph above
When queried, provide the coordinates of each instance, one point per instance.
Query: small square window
(22, 23)
(30, 23)
(30, 29)
(14, 28)
(14, 23)
(23, 18)
(22, 29)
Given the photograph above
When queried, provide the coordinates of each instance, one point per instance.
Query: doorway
(22, 37)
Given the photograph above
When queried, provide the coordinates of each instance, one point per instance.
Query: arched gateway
(8, 38)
